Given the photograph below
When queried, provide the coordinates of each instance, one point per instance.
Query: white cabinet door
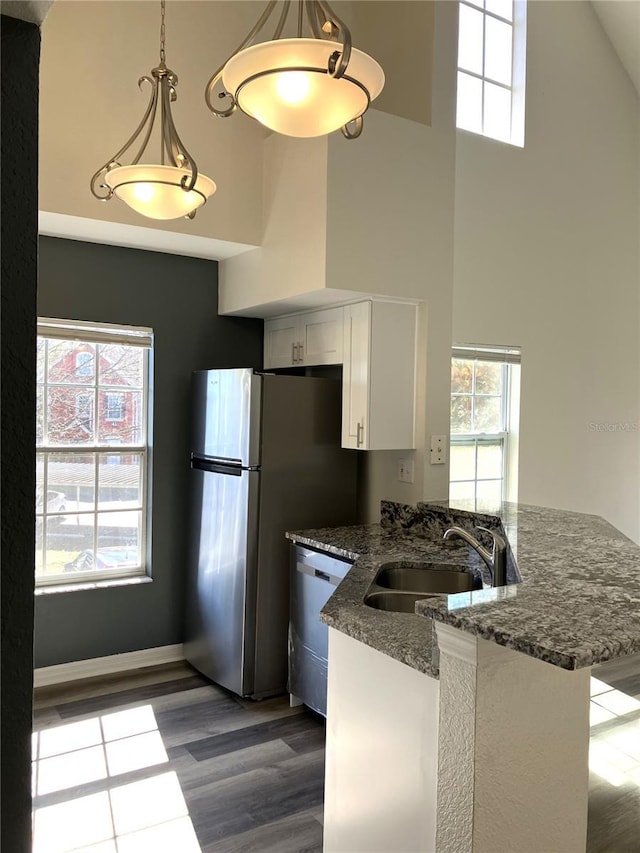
(281, 342)
(355, 375)
(378, 376)
(304, 339)
(321, 336)
(392, 374)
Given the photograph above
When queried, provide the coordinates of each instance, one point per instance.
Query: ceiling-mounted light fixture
(168, 189)
(299, 86)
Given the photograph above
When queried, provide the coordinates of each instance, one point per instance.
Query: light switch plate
(438, 449)
(405, 470)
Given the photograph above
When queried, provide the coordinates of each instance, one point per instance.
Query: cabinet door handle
(293, 353)
(300, 353)
(359, 434)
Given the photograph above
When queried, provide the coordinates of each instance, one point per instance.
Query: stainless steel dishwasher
(314, 577)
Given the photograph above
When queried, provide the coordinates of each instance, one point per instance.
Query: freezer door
(221, 588)
(226, 415)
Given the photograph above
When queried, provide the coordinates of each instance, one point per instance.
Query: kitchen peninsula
(465, 727)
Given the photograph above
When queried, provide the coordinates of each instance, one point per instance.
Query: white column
(513, 750)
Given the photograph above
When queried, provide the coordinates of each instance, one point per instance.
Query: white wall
(347, 218)
(433, 166)
(546, 256)
(400, 37)
(292, 258)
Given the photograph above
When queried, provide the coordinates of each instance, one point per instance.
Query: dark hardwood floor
(162, 761)
(614, 758)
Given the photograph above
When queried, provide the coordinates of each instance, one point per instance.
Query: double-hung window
(491, 68)
(91, 451)
(485, 389)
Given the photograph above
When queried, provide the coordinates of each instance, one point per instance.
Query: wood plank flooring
(226, 774)
(614, 758)
(162, 761)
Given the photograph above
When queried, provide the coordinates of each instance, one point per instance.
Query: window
(485, 392)
(84, 362)
(491, 68)
(91, 451)
(115, 406)
(84, 410)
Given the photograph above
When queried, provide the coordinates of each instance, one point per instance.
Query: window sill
(54, 589)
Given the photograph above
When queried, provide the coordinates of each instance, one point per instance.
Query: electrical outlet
(405, 470)
(438, 449)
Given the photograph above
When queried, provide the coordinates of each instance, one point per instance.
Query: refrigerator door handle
(216, 467)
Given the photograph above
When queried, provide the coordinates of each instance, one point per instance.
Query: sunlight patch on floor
(614, 755)
(138, 817)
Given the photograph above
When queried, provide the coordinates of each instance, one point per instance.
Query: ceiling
(620, 20)
(73, 62)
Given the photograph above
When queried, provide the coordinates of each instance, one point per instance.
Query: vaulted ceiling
(620, 20)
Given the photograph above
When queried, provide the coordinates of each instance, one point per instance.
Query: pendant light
(299, 86)
(166, 190)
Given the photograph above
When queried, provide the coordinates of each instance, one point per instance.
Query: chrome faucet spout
(496, 559)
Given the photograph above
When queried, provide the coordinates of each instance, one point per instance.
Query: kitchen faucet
(496, 560)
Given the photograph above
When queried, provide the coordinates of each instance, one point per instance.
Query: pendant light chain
(162, 33)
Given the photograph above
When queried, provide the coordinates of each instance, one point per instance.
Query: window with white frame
(485, 392)
(91, 499)
(491, 68)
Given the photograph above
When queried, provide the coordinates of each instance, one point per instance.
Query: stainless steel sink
(396, 588)
(397, 602)
(426, 580)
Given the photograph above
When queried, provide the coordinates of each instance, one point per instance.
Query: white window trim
(71, 330)
(518, 71)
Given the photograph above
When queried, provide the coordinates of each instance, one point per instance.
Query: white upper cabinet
(304, 339)
(281, 339)
(378, 376)
(375, 341)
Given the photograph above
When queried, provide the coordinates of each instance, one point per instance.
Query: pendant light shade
(284, 84)
(157, 191)
(299, 86)
(171, 188)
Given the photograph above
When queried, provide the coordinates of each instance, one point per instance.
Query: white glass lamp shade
(284, 84)
(155, 190)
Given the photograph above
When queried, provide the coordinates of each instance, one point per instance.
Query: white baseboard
(92, 667)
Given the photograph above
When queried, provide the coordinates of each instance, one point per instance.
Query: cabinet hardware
(359, 434)
(293, 353)
(300, 353)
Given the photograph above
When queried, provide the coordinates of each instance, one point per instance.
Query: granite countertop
(578, 602)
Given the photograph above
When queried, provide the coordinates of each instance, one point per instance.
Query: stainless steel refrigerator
(265, 458)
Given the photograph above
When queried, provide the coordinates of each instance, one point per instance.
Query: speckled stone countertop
(578, 603)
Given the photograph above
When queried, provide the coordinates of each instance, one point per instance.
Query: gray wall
(20, 56)
(177, 297)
